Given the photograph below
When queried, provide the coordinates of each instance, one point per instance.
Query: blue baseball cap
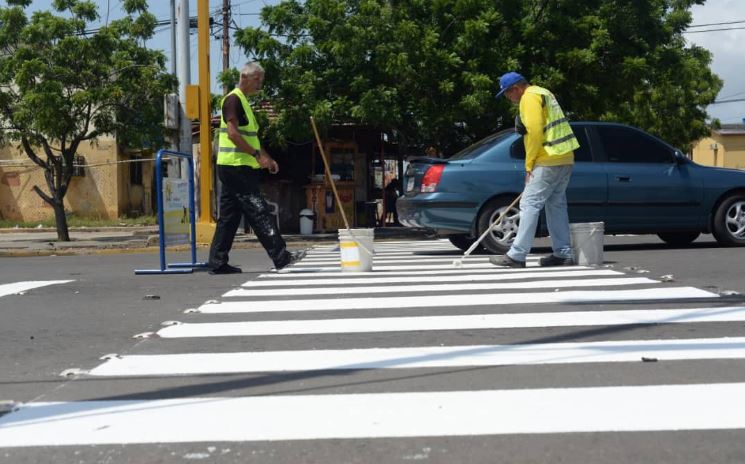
(508, 80)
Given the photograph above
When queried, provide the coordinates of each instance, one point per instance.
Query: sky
(728, 58)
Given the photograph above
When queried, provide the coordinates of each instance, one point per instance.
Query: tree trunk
(63, 233)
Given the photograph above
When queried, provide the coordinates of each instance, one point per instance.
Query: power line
(728, 101)
(160, 22)
(714, 30)
(717, 24)
(734, 95)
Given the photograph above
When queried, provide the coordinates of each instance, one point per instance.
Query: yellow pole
(205, 224)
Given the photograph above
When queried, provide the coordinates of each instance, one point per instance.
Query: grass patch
(76, 221)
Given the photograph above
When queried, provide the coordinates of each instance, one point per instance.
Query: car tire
(678, 238)
(462, 241)
(729, 221)
(500, 239)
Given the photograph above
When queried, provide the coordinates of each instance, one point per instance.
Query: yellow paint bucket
(356, 249)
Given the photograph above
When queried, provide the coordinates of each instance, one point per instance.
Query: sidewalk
(43, 242)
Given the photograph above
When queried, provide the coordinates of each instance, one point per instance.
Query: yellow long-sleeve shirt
(533, 115)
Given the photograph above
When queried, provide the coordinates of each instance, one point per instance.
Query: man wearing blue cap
(549, 157)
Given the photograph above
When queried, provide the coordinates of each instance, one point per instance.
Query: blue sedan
(628, 179)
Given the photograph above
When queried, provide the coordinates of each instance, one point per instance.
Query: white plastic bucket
(587, 243)
(356, 249)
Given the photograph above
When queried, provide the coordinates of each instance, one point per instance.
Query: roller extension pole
(459, 262)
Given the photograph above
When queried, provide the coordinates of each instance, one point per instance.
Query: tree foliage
(61, 86)
(429, 69)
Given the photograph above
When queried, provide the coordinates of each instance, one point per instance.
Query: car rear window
(482, 146)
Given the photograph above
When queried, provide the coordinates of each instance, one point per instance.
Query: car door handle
(623, 178)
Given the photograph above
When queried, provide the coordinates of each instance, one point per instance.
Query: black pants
(241, 197)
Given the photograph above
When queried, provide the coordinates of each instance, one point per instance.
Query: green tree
(428, 69)
(61, 86)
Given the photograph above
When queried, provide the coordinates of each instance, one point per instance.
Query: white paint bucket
(356, 249)
(587, 243)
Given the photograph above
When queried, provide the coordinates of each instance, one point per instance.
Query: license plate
(410, 184)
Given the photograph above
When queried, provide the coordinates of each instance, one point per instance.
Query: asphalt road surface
(641, 359)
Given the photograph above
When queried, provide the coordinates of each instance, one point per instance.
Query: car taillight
(432, 178)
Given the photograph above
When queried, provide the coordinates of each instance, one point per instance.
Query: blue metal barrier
(175, 268)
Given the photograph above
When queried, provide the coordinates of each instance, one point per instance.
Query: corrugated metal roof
(731, 129)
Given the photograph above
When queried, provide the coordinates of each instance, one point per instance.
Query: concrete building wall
(96, 194)
(734, 156)
(724, 148)
(703, 153)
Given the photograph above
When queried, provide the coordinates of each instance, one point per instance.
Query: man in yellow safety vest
(549, 157)
(240, 159)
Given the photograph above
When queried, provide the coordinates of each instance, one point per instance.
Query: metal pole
(225, 40)
(161, 224)
(173, 37)
(184, 74)
(382, 179)
(174, 167)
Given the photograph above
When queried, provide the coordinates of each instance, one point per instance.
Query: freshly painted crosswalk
(464, 300)
(443, 271)
(348, 416)
(433, 288)
(18, 287)
(456, 322)
(421, 357)
(408, 280)
(413, 277)
(400, 278)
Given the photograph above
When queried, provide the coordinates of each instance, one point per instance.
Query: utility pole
(184, 79)
(173, 37)
(174, 165)
(184, 73)
(225, 40)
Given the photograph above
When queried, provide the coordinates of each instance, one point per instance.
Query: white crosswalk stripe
(18, 287)
(399, 358)
(415, 414)
(413, 290)
(403, 277)
(464, 300)
(431, 288)
(457, 322)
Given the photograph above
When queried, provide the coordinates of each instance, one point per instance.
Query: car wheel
(678, 238)
(462, 241)
(501, 237)
(729, 221)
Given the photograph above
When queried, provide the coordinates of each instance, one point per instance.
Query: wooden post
(328, 173)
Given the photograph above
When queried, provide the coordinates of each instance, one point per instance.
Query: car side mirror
(679, 157)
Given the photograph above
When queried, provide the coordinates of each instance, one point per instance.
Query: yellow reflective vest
(558, 135)
(549, 140)
(230, 155)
